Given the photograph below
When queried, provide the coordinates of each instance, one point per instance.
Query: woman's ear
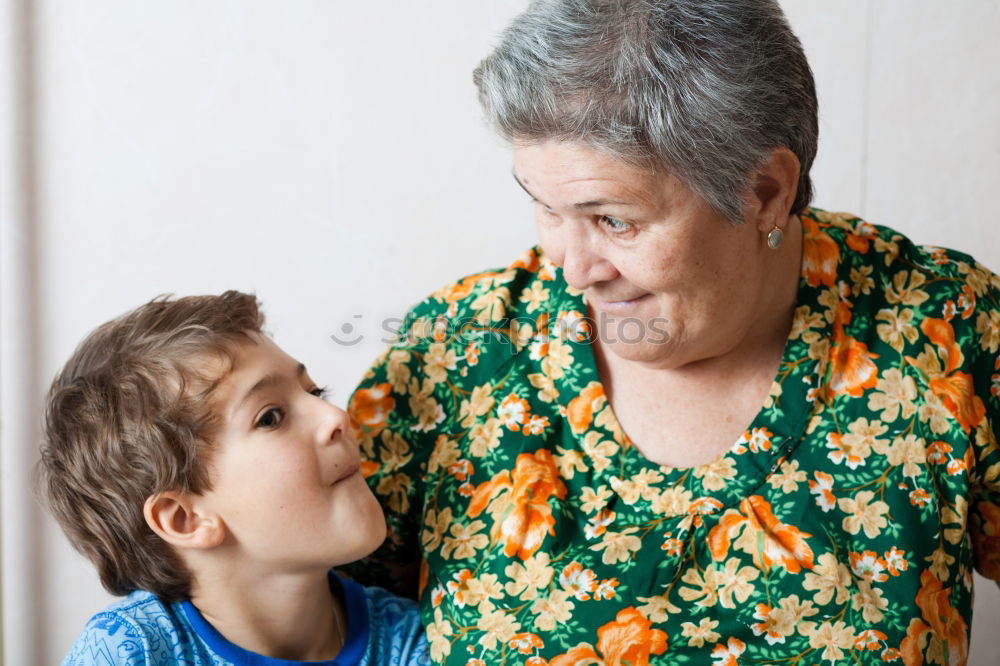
(176, 518)
(774, 187)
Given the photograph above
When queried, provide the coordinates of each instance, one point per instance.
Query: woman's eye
(270, 418)
(320, 392)
(614, 224)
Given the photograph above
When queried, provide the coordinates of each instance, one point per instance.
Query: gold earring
(774, 237)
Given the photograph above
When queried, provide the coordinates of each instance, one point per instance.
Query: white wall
(330, 156)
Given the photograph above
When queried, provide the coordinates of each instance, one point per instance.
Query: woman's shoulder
(841, 248)
(495, 302)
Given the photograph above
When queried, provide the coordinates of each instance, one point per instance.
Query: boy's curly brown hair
(130, 416)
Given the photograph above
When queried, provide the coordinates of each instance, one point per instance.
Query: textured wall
(319, 152)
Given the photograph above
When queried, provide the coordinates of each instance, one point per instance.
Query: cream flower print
(618, 546)
(674, 501)
(934, 414)
(869, 600)
(528, 578)
(864, 513)
(438, 360)
(599, 450)
(788, 477)
(465, 540)
(700, 634)
(988, 326)
(830, 579)
(910, 452)
(861, 282)
(906, 289)
(485, 437)
(897, 328)
(479, 402)
(833, 638)
(497, 626)
(595, 500)
(716, 474)
(657, 608)
(438, 633)
(894, 395)
(554, 609)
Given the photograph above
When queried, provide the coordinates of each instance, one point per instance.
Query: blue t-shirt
(140, 630)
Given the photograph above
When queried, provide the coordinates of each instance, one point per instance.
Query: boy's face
(285, 471)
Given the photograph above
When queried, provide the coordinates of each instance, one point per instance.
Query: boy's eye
(270, 418)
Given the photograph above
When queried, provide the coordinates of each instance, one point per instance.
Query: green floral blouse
(842, 526)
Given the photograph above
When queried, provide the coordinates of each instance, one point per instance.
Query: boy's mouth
(346, 472)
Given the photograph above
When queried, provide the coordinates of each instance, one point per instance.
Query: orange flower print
(822, 488)
(528, 261)
(519, 504)
(851, 367)
(461, 289)
(525, 642)
(703, 506)
(761, 535)
(370, 407)
(869, 567)
(606, 589)
(756, 440)
(369, 468)
(985, 527)
(939, 622)
(580, 411)
(954, 389)
(728, 654)
(860, 239)
(459, 586)
(513, 412)
(937, 452)
(536, 661)
(579, 582)
(629, 639)
(895, 560)
(820, 255)
(869, 639)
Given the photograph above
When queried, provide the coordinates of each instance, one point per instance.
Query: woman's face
(668, 280)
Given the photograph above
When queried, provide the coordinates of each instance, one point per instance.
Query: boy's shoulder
(139, 629)
(397, 636)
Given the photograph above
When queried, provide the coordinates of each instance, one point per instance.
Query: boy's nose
(334, 424)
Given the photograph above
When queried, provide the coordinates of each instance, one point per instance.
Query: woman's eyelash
(321, 392)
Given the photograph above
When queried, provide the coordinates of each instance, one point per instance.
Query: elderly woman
(701, 420)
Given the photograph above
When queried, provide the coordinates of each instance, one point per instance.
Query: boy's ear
(176, 518)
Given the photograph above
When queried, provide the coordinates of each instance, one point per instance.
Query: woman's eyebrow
(526, 191)
(595, 203)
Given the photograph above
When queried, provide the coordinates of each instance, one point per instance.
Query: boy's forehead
(251, 362)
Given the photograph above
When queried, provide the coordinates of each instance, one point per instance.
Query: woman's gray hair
(702, 88)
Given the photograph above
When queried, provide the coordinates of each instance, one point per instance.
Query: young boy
(200, 469)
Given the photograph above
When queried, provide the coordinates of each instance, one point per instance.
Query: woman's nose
(584, 265)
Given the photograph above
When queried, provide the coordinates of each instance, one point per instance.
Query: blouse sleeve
(984, 502)
(396, 414)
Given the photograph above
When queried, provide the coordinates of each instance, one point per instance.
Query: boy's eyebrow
(267, 381)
